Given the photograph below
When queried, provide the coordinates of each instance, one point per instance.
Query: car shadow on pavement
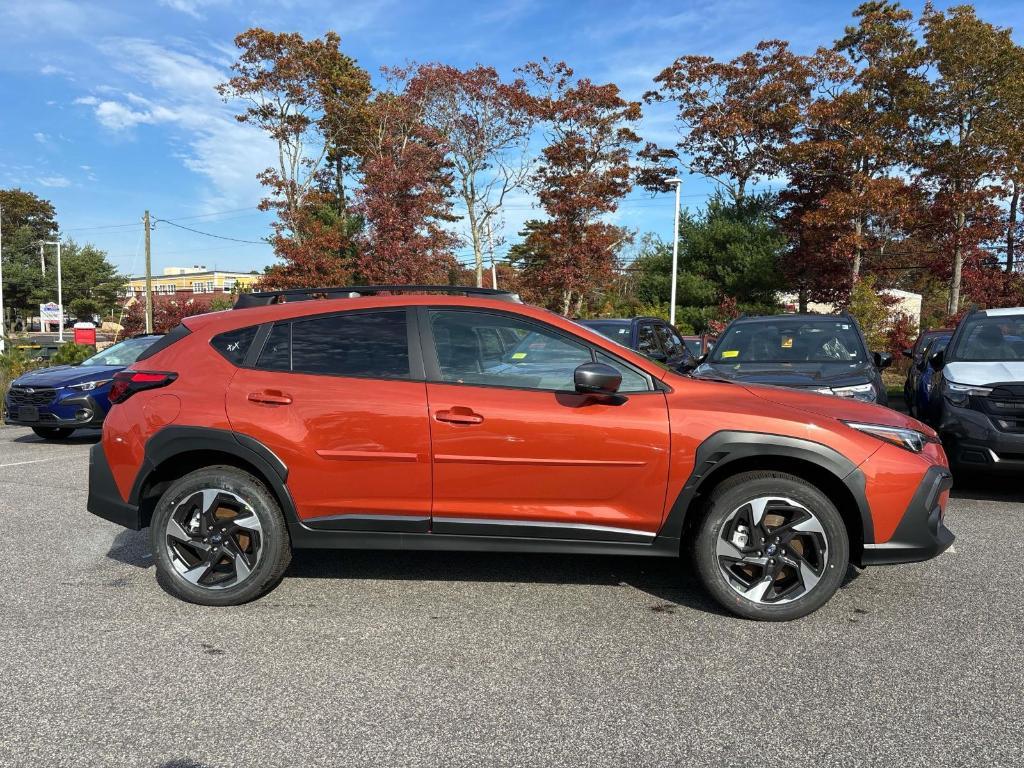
(670, 581)
(987, 488)
(132, 548)
(82, 437)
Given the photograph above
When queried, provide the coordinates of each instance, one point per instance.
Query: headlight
(910, 439)
(857, 392)
(959, 393)
(89, 386)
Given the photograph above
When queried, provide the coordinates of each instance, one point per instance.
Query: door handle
(459, 415)
(270, 398)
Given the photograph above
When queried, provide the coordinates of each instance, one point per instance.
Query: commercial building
(190, 281)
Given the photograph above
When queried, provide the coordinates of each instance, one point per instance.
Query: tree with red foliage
(736, 116)
(485, 124)
(585, 169)
(406, 189)
(168, 312)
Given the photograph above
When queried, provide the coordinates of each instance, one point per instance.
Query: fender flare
(174, 441)
(725, 447)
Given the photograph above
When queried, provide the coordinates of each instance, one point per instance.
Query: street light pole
(60, 294)
(675, 253)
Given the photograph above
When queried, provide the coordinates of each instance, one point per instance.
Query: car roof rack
(264, 298)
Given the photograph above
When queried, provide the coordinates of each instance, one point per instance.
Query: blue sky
(109, 107)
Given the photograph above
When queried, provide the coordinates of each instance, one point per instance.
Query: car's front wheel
(219, 538)
(53, 433)
(771, 546)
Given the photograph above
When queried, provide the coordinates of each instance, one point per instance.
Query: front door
(517, 452)
(334, 397)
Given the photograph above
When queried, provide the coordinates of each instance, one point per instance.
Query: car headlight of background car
(89, 386)
(960, 394)
(865, 392)
(910, 439)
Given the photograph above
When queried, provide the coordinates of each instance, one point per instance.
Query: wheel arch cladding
(728, 453)
(175, 451)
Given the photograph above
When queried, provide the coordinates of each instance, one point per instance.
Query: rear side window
(233, 345)
(365, 344)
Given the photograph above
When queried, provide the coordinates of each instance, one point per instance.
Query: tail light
(127, 383)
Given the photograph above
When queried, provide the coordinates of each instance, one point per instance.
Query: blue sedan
(56, 401)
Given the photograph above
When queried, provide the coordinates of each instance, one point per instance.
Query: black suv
(650, 336)
(977, 403)
(821, 353)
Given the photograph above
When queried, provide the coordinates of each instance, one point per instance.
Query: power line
(210, 234)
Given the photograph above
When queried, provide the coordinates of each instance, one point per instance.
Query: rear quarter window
(234, 345)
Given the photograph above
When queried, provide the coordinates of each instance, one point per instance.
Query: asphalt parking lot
(423, 659)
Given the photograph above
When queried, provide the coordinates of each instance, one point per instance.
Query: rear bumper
(922, 533)
(104, 499)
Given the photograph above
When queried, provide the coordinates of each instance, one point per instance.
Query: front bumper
(922, 533)
(973, 442)
(104, 499)
(76, 412)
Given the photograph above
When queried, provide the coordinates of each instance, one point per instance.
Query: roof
(792, 316)
(1002, 311)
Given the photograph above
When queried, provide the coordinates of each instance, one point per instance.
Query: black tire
(271, 546)
(53, 433)
(833, 547)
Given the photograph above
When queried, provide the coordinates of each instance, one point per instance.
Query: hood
(64, 375)
(984, 372)
(789, 374)
(841, 408)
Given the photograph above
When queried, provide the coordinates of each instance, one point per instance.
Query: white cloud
(41, 137)
(50, 69)
(54, 181)
(191, 7)
(173, 89)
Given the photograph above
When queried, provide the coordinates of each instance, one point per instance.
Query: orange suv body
(427, 421)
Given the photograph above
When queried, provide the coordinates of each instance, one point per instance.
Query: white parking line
(34, 461)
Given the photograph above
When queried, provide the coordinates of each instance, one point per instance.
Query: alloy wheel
(772, 550)
(214, 539)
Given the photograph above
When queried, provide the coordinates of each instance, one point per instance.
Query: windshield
(614, 330)
(990, 339)
(123, 353)
(790, 341)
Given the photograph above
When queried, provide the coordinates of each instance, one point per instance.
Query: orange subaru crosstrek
(383, 417)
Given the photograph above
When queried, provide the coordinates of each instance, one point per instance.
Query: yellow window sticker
(730, 353)
(787, 342)
(518, 355)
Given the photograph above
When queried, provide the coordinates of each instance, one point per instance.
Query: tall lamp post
(675, 252)
(60, 294)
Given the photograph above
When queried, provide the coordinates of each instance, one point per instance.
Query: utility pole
(675, 253)
(149, 279)
(3, 317)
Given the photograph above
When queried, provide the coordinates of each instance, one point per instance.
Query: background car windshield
(615, 331)
(990, 338)
(123, 353)
(791, 341)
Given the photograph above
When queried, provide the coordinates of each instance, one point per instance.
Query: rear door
(340, 398)
(517, 452)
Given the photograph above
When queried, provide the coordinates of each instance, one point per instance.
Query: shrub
(70, 353)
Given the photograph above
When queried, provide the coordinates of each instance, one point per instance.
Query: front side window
(531, 356)
(364, 344)
(647, 341)
(791, 341)
(990, 339)
(671, 343)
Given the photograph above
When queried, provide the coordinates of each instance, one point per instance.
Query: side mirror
(937, 361)
(908, 353)
(658, 357)
(883, 360)
(597, 379)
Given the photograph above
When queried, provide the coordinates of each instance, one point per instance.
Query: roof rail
(263, 298)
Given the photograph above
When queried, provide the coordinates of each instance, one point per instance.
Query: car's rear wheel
(219, 538)
(771, 547)
(53, 433)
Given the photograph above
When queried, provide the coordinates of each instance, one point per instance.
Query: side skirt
(306, 538)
